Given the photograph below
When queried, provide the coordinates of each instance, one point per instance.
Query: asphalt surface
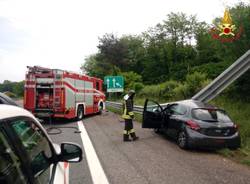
(64, 131)
(153, 159)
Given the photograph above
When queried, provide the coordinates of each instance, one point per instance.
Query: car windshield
(210, 115)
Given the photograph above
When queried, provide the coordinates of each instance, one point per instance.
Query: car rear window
(210, 115)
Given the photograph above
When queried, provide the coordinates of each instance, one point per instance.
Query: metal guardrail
(239, 67)
(137, 109)
(116, 105)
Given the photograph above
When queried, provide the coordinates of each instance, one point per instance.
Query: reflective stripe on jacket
(127, 108)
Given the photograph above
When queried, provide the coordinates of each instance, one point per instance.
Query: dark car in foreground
(194, 124)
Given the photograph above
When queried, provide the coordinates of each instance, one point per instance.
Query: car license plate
(218, 131)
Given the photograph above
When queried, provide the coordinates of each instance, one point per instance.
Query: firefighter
(128, 116)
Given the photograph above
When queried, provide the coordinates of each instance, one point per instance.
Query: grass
(239, 111)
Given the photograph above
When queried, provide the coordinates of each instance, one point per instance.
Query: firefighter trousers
(129, 130)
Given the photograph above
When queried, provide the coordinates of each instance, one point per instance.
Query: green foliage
(132, 80)
(212, 70)
(161, 53)
(15, 89)
(240, 90)
(18, 89)
(138, 86)
(181, 92)
(239, 113)
(94, 67)
(6, 86)
(195, 82)
(167, 89)
(173, 90)
(152, 92)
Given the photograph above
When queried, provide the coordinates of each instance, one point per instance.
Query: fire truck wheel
(80, 113)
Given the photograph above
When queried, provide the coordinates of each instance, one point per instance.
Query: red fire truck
(59, 93)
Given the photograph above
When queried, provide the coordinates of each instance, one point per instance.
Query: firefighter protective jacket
(127, 108)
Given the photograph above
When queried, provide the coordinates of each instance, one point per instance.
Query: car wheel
(80, 113)
(182, 140)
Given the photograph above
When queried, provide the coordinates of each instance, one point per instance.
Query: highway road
(154, 159)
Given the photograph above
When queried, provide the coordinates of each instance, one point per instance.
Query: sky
(62, 33)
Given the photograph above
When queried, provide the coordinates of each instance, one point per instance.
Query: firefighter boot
(134, 137)
(126, 138)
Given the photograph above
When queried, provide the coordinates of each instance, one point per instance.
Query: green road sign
(114, 83)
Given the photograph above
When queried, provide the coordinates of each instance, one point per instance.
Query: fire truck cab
(59, 93)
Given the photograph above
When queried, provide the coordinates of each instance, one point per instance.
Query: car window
(177, 109)
(212, 115)
(181, 109)
(36, 146)
(10, 168)
(153, 107)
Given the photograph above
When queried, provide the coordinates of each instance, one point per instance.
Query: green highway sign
(114, 83)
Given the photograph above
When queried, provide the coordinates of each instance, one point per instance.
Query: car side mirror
(70, 152)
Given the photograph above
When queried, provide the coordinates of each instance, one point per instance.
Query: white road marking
(96, 170)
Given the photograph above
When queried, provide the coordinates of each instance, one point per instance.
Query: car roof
(9, 111)
(196, 104)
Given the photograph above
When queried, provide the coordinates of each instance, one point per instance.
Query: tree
(135, 52)
(116, 55)
(113, 51)
(132, 80)
(94, 66)
(171, 50)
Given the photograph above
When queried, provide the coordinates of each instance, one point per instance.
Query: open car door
(152, 115)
